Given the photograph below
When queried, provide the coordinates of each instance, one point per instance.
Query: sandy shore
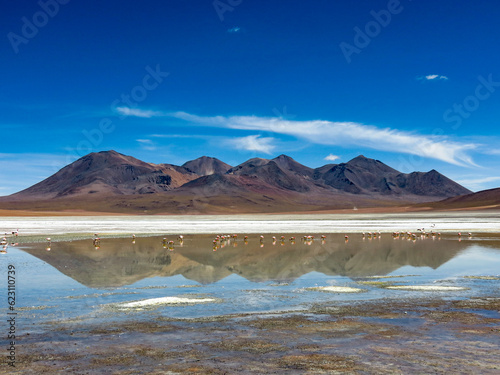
(399, 337)
(481, 221)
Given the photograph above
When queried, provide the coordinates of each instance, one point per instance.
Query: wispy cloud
(147, 144)
(477, 184)
(348, 133)
(492, 151)
(432, 77)
(252, 143)
(234, 30)
(345, 134)
(332, 157)
(136, 112)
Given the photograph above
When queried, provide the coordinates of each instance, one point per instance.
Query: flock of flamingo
(223, 240)
(4, 243)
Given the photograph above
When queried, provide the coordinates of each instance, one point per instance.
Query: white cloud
(332, 157)
(252, 143)
(432, 77)
(476, 184)
(126, 111)
(147, 144)
(234, 30)
(349, 134)
(492, 151)
(344, 134)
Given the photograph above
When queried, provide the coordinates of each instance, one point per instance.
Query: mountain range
(113, 182)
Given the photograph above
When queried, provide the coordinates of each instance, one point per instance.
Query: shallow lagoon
(76, 281)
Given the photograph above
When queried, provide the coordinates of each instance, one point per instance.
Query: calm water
(76, 280)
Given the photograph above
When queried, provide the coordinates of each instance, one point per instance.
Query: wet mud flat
(431, 336)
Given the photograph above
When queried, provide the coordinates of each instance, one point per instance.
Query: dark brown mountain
(109, 181)
(368, 176)
(282, 172)
(205, 166)
(109, 173)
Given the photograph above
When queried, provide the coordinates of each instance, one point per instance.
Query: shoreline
(376, 337)
(341, 211)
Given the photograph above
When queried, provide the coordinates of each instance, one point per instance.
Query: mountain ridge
(206, 184)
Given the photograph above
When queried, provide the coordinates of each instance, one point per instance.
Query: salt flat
(468, 221)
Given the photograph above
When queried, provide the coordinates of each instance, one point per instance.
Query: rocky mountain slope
(110, 181)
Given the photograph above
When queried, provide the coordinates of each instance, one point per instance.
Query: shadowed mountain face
(206, 166)
(363, 175)
(120, 262)
(109, 173)
(109, 181)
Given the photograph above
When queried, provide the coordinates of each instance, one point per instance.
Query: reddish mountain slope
(109, 181)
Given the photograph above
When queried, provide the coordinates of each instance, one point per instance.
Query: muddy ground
(401, 337)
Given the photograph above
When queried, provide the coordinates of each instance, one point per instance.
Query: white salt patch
(165, 301)
(430, 288)
(336, 289)
(284, 223)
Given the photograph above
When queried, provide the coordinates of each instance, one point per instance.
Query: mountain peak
(283, 157)
(360, 159)
(372, 165)
(206, 165)
(287, 163)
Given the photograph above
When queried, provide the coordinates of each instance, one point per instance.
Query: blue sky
(415, 84)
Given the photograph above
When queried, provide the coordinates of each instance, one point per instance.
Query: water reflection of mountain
(119, 262)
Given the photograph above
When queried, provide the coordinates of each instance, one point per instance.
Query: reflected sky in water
(75, 279)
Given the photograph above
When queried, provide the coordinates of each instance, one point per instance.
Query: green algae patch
(482, 277)
(379, 284)
(336, 289)
(428, 288)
